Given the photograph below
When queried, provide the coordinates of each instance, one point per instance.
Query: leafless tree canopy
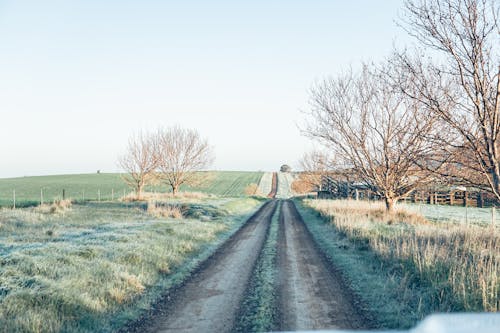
(315, 165)
(139, 162)
(462, 84)
(376, 129)
(182, 153)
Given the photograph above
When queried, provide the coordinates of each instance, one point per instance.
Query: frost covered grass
(259, 312)
(98, 266)
(454, 214)
(440, 267)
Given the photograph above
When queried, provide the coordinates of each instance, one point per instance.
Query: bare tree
(139, 162)
(463, 86)
(376, 129)
(314, 165)
(182, 153)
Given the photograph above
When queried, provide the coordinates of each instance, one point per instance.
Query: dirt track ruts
(312, 295)
(209, 301)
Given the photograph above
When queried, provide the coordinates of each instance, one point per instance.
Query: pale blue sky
(78, 77)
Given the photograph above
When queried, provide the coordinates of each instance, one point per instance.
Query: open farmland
(108, 186)
(228, 183)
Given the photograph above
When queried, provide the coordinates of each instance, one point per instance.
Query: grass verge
(96, 267)
(258, 313)
(404, 271)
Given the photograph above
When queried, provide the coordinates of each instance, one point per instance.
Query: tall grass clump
(56, 207)
(159, 210)
(455, 267)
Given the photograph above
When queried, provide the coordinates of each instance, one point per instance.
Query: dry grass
(150, 196)
(159, 210)
(368, 210)
(458, 264)
(252, 189)
(57, 207)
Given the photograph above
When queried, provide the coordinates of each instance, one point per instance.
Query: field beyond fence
(31, 191)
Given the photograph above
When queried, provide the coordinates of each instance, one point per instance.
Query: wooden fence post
(41, 196)
(112, 194)
(14, 198)
(99, 195)
(480, 201)
(64, 194)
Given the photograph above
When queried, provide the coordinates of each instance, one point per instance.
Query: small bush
(58, 206)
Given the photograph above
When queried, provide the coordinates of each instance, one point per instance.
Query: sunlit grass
(457, 264)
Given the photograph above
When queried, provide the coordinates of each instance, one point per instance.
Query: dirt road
(274, 186)
(312, 295)
(210, 300)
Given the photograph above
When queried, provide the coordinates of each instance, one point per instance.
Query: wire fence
(19, 198)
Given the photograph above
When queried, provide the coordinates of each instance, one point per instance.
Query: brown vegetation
(58, 206)
(161, 210)
(252, 189)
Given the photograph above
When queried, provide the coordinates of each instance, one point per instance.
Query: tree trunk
(174, 190)
(139, 191)
(389, 204)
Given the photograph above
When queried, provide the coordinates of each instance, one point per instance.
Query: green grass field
(229, 183)
(108, 186)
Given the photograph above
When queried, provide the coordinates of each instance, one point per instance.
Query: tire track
(311, 295)
(274, 186)
(210, 300)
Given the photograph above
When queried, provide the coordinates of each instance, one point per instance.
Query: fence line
(17, 199)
